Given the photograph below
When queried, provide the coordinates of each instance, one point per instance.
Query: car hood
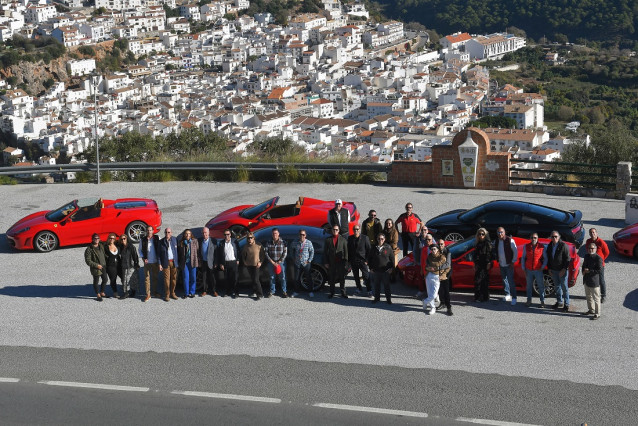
(28, 221)
(226, 215)
(627, 230)
(450, 217)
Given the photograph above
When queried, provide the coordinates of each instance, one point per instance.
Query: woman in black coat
(113, 261)
(482, 265)
(130, 264)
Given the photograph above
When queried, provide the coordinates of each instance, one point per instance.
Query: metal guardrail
(197, 166)
(553, 171)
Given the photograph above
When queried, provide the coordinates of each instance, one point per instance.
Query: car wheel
(550, 287)
(45, 242)
(453, 236)
(136, 231)
(238, 231)
(318, 279)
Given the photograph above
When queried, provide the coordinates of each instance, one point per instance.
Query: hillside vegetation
(610, 20)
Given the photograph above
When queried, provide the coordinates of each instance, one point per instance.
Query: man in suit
(335, 251)
(340, 217)
(228, 261)
(168, 263)
(148, 251)
(207, 268)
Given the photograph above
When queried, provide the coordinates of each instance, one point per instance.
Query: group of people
(534, 258)
(371, 253)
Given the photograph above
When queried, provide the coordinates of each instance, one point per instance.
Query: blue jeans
(300, 272)
(190, 279)
(562, 291)
(273, 277)
(538, 276)
(509, 286)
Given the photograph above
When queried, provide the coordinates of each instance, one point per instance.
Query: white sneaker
(432, 311)
(311, 294)
(507, 298)
(295, 294)
(514, 301)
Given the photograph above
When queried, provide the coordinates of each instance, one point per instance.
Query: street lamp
(97, 143)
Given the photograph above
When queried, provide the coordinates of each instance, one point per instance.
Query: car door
(82, 224)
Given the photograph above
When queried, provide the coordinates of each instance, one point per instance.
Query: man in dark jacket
(335, 254)
(148, 251)
(169, 264)
(207, 268)
(228, 261)
(358, 251)
(340, 217)
(381, 263)
(96, 260)
(558, 265)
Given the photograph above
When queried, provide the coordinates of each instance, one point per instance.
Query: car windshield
(62, 212)
(254, 211)
(461, 247)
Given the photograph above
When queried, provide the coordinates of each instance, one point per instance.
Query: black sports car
(290, 233)
(520, 219)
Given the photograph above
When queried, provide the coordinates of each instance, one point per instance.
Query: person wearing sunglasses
(558, 265)
(188, 255)
(358, 250)
(372, 226)
(533, 262)
(169, 264)
(506, 253)
(148, 251)
(381, 262)
(410, 224)
(593, 265)
(303, 252)
(434, 267)
(252, 256)
(420, 255)
(335, 254)
(482, 265)
(113, 262)
(276, 253)
(130, 262)
(228, 261)
(95, 258)
(207, 266)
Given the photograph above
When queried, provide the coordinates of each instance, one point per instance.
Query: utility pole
(97, 142)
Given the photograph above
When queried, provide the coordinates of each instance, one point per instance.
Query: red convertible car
(75, 222)
(626, 241)
(306, 211)
(463, 268)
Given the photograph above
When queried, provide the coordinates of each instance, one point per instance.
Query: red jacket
(409, 223)
(534, 257)
(601, 248)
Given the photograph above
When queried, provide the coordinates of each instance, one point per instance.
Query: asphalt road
(489, 361)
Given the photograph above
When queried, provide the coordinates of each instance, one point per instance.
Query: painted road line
(229, 396)
(8, 380)
(490, 422)
(94, 386)
(372, 410)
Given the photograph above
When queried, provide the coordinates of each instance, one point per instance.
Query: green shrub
(241, 174)
(6, 180)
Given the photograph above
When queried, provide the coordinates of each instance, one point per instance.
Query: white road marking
(94, 386)
(372, 410)
(229, 396)
(8, 380)
(490, 422)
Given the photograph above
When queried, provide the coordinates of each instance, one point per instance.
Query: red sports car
(306, 211)
(626, 241)
(463, 268)
(75, 222)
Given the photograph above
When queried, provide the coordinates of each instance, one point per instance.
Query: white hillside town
(332, 82)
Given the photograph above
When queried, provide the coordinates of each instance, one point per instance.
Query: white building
(493, 46)
(80, 66)
(38, 14)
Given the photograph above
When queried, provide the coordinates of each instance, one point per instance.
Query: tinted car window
(457, 249)
(554, 214)
(499, 218)
(529, 220)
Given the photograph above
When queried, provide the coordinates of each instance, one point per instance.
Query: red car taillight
(576, 230)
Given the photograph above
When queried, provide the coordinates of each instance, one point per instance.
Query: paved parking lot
(46, 299)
